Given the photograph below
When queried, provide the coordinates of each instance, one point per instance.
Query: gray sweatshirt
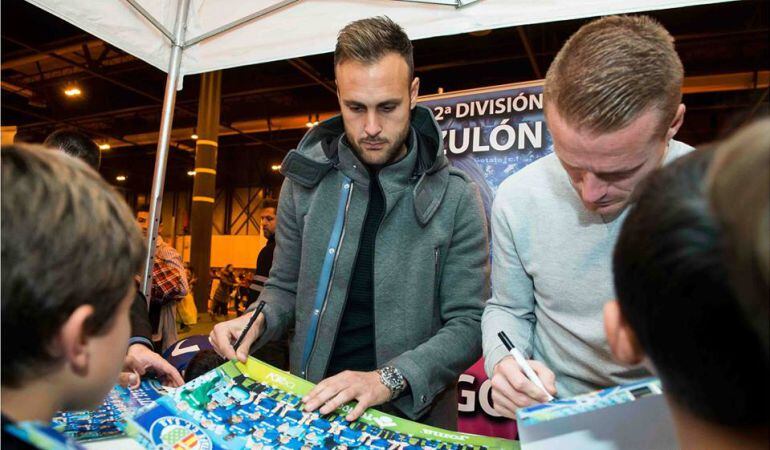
(552, 275)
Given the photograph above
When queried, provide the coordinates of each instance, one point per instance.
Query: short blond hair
(612, 70)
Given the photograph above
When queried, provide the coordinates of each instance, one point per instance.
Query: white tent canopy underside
(307, 27)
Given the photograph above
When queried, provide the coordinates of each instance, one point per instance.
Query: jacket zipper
(331, 277)
(344, 304)
(374, 260)
(437, 262)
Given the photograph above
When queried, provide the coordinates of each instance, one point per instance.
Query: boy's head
(203, 362)
(676, 305)
(77, 144)
(739, 189)
(70, 249)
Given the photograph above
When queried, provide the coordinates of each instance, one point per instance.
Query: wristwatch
(393, 380)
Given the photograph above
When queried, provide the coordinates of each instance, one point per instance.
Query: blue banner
(492, 133)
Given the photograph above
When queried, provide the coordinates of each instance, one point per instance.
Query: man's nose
(372, 127)
(592, 189)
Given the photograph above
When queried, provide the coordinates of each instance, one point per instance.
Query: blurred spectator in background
(169, 286)
(77, 144)
(222, 295)
(268, 220)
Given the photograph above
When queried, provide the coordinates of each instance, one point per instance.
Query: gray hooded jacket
(431, 272)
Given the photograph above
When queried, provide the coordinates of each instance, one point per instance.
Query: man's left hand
(331, 393)
(141, 359)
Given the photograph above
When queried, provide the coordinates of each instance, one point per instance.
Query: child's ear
(73, 339)
(622, 339)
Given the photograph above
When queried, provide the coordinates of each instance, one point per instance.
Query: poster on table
(256, 406)
(490, 134)
(108, 421)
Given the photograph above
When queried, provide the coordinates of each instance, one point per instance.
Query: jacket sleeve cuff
(418, 399)
(492, 358)
(140, 340)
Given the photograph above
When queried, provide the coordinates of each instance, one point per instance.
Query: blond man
(613, 105)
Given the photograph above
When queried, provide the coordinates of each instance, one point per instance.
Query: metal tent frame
(179, 43)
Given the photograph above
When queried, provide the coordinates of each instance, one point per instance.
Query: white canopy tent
(183, 37)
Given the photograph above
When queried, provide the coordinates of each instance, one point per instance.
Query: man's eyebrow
(392, 101)
(621, 171)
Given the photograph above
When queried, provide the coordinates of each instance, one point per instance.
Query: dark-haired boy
(65, 295)
(676, 306)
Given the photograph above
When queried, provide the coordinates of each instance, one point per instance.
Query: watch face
(392, 379)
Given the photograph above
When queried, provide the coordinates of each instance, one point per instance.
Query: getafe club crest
(179, 434)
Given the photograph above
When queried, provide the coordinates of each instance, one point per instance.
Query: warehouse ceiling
(726, 47)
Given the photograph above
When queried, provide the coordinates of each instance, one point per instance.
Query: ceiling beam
(18, 90)
(123, 140)
(530, 53)
(245, 126)
(40, 55)
(88, 69)
(156, 108)
(727, 82)
(128, 87)
(304, 67)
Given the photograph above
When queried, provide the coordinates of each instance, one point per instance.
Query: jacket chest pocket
(425, 317)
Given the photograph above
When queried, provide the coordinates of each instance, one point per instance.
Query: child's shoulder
(34, 435)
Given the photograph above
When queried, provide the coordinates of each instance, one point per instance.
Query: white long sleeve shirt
(552, 275)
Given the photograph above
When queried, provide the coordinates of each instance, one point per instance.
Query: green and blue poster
(255, 406)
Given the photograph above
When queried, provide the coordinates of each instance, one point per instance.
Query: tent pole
(138, 7)
(161, 157)
(229, 26)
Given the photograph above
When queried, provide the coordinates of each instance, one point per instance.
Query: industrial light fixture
(72, 90)
(276, 167)
(121, 178)
(310, 122)
(191, 172)
(104, 146)
(194, 136)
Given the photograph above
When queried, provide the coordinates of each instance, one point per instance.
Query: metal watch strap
(393, 380)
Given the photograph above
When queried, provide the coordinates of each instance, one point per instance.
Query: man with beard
(381, 247)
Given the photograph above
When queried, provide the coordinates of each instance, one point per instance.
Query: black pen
(253, 318)
(523, 364)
